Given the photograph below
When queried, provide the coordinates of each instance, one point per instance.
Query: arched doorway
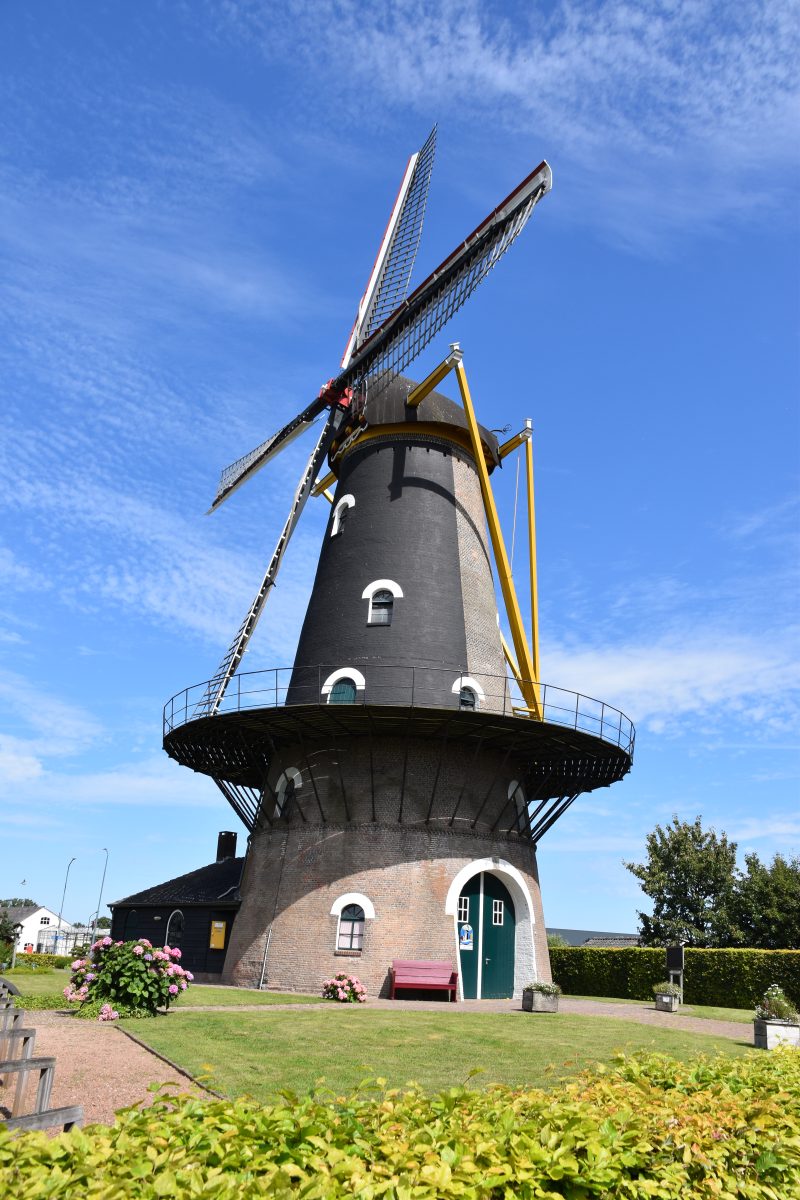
(486, 924)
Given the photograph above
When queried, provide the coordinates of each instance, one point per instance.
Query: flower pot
(769, 1034)
(666, 1003)
(538, 1001)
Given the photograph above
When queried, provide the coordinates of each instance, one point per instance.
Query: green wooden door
(497, 957)
(469, 916)
(486, 939)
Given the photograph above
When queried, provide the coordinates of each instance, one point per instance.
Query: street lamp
(100, 897)
(63, 895)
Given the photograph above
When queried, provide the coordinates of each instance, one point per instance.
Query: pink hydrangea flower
(173, 989)
(138, 949)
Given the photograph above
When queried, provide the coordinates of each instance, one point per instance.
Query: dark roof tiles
(218, 883)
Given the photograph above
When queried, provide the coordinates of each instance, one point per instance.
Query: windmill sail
(391, 275)
(215, 691)
(416, 320)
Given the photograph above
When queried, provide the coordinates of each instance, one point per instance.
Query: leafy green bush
(649, 1126)
(544, 989)
(727, 978)
(31, 1003)
(127, 978)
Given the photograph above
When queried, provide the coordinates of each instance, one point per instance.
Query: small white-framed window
(498, 911)
(44, 921)
(381, 594)
(353, 911)
(350, 934)
(340, 512)
(286, 789)
(352, 686)
(463, 909)
(470, 693)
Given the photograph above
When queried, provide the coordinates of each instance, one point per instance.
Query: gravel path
(98, 1066)
(101, 1068)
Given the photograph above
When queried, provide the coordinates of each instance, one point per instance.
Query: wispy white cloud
(676, 112)
(703, 679)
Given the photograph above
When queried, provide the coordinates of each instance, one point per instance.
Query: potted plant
(540, 997)
(776, 1020)
(668, 996)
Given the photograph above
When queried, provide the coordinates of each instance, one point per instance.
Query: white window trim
(344, 673)
(353, 898)
(382, 585)
(280, 788)
(466, 681)
(345, 502)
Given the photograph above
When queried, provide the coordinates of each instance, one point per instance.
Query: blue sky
(190, 200)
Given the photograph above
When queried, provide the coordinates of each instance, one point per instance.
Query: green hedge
(649, 1126)
(728, 978)
(27, 962)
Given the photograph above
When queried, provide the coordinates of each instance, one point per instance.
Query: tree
(556, 942)
(690, 876)
(15, 902)
(8, 932)
(767, 903)
(103, 922)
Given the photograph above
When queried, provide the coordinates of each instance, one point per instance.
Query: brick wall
(295, 873)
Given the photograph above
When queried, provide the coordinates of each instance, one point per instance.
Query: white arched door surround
(524, 944)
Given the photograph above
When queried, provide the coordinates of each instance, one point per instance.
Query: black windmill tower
(397, 778)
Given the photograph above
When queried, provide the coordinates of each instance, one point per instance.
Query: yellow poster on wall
(217, 939)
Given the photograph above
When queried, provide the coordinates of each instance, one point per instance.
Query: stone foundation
(294, 875)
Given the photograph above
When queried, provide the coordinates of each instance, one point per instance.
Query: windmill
(398, 766)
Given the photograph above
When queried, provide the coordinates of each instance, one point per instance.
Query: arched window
(343, 692)
(470, 693)
(286, 790)
(174, 930)
(380, 609)
(350, 935)
(340, 514)
(353, 682)
(381, 594)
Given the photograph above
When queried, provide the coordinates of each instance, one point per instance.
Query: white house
(40, 930)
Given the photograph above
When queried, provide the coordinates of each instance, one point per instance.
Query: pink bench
(432, 976)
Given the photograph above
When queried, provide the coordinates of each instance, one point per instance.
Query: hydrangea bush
(344, 988)
(126, 979)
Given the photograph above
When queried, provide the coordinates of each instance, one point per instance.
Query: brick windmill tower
(397, 778)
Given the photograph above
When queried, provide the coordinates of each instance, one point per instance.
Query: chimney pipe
(226, 846)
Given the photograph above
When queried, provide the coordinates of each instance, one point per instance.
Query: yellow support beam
(320, 488)
(509, 657)
(532, 557)
(517, 440)
(526, 676)
(418, 394)
(328, 496)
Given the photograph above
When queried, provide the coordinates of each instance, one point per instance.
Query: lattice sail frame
(412, 325)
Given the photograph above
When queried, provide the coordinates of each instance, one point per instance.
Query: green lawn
(743, 1016)
(50, 982)
(199, 995)
(44, 982)
(244, 1053)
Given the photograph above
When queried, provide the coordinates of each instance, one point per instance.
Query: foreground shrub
(648, 1127)
(344, 988)
(728, 978)
(128, 978)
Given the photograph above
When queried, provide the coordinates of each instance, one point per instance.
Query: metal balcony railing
(405, 687)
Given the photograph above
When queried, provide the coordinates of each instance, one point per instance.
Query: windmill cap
(389, 408)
